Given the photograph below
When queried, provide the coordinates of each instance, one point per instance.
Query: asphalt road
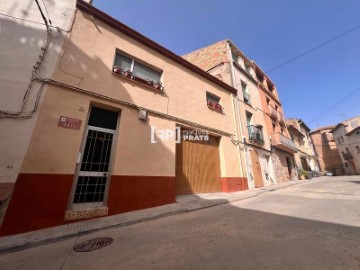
(315, 225)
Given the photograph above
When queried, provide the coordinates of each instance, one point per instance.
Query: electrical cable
(313, 49)
(304, 54)
(26, 20)
(129, 104)
(47, 13)
(332, 107)
(20, 113)
(42, 14)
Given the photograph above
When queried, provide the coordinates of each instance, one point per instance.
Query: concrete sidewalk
(185, 203)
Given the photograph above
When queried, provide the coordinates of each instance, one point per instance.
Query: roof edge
(107, 19)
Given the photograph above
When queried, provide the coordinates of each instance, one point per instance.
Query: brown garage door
(198, 166)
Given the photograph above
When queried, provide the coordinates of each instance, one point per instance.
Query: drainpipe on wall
(237, 116)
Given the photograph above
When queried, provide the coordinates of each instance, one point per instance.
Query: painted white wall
(23, 33)
(267, 168)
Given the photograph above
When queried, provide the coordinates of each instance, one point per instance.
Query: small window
(276, 107)
(342, 139)
(234, 56)
(246, 95)
(270, 87)
(137, 69)
(213, 101)
(357, 149)
(273, 126)
(259, 77)
(268, 101)
(357, 132)
(248, 118)
(346, 165)
(339, 140)
(247, 69)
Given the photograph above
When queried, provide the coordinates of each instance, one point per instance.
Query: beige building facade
(347, 138)
(225, 61)
(123, 126)
(305, 157)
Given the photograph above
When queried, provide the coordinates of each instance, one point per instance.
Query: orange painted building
(283, 148)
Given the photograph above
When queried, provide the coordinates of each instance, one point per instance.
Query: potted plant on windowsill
(218, 107)
(128, 74)
(117, 69)
(214, 105)
(158, 86)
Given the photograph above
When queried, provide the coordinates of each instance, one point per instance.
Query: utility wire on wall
(21, 113)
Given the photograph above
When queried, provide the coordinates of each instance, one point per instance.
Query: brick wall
(207, 58)
(280, 166)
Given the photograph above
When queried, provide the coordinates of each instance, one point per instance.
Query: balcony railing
(256, 134)
(246, 97)
(272, 112)
(284, 143)
(347, 156)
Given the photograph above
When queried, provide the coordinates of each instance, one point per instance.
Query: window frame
(135, 59)
(217, 106)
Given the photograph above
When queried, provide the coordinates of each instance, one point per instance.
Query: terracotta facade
(325, 146)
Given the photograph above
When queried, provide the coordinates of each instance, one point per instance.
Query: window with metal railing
(256, 133)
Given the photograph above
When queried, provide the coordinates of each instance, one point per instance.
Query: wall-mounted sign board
(67, 122)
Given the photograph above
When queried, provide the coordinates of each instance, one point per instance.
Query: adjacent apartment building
(347, 137)
(282, 147)
(326, 150)
(126, 124)
(305, 157)
(225, 61)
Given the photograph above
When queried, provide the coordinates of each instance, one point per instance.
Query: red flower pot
(117, 70)
(128, 73)
(158, 86)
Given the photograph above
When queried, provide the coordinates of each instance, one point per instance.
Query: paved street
(315, 225)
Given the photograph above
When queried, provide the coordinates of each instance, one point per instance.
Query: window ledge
(140, 81)
(215, 109)
(75, 214)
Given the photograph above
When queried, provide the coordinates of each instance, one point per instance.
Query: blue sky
(269, 32)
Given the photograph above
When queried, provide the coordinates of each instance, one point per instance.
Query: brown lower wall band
(40, 200)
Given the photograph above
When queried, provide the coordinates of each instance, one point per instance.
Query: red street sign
(67, 122)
